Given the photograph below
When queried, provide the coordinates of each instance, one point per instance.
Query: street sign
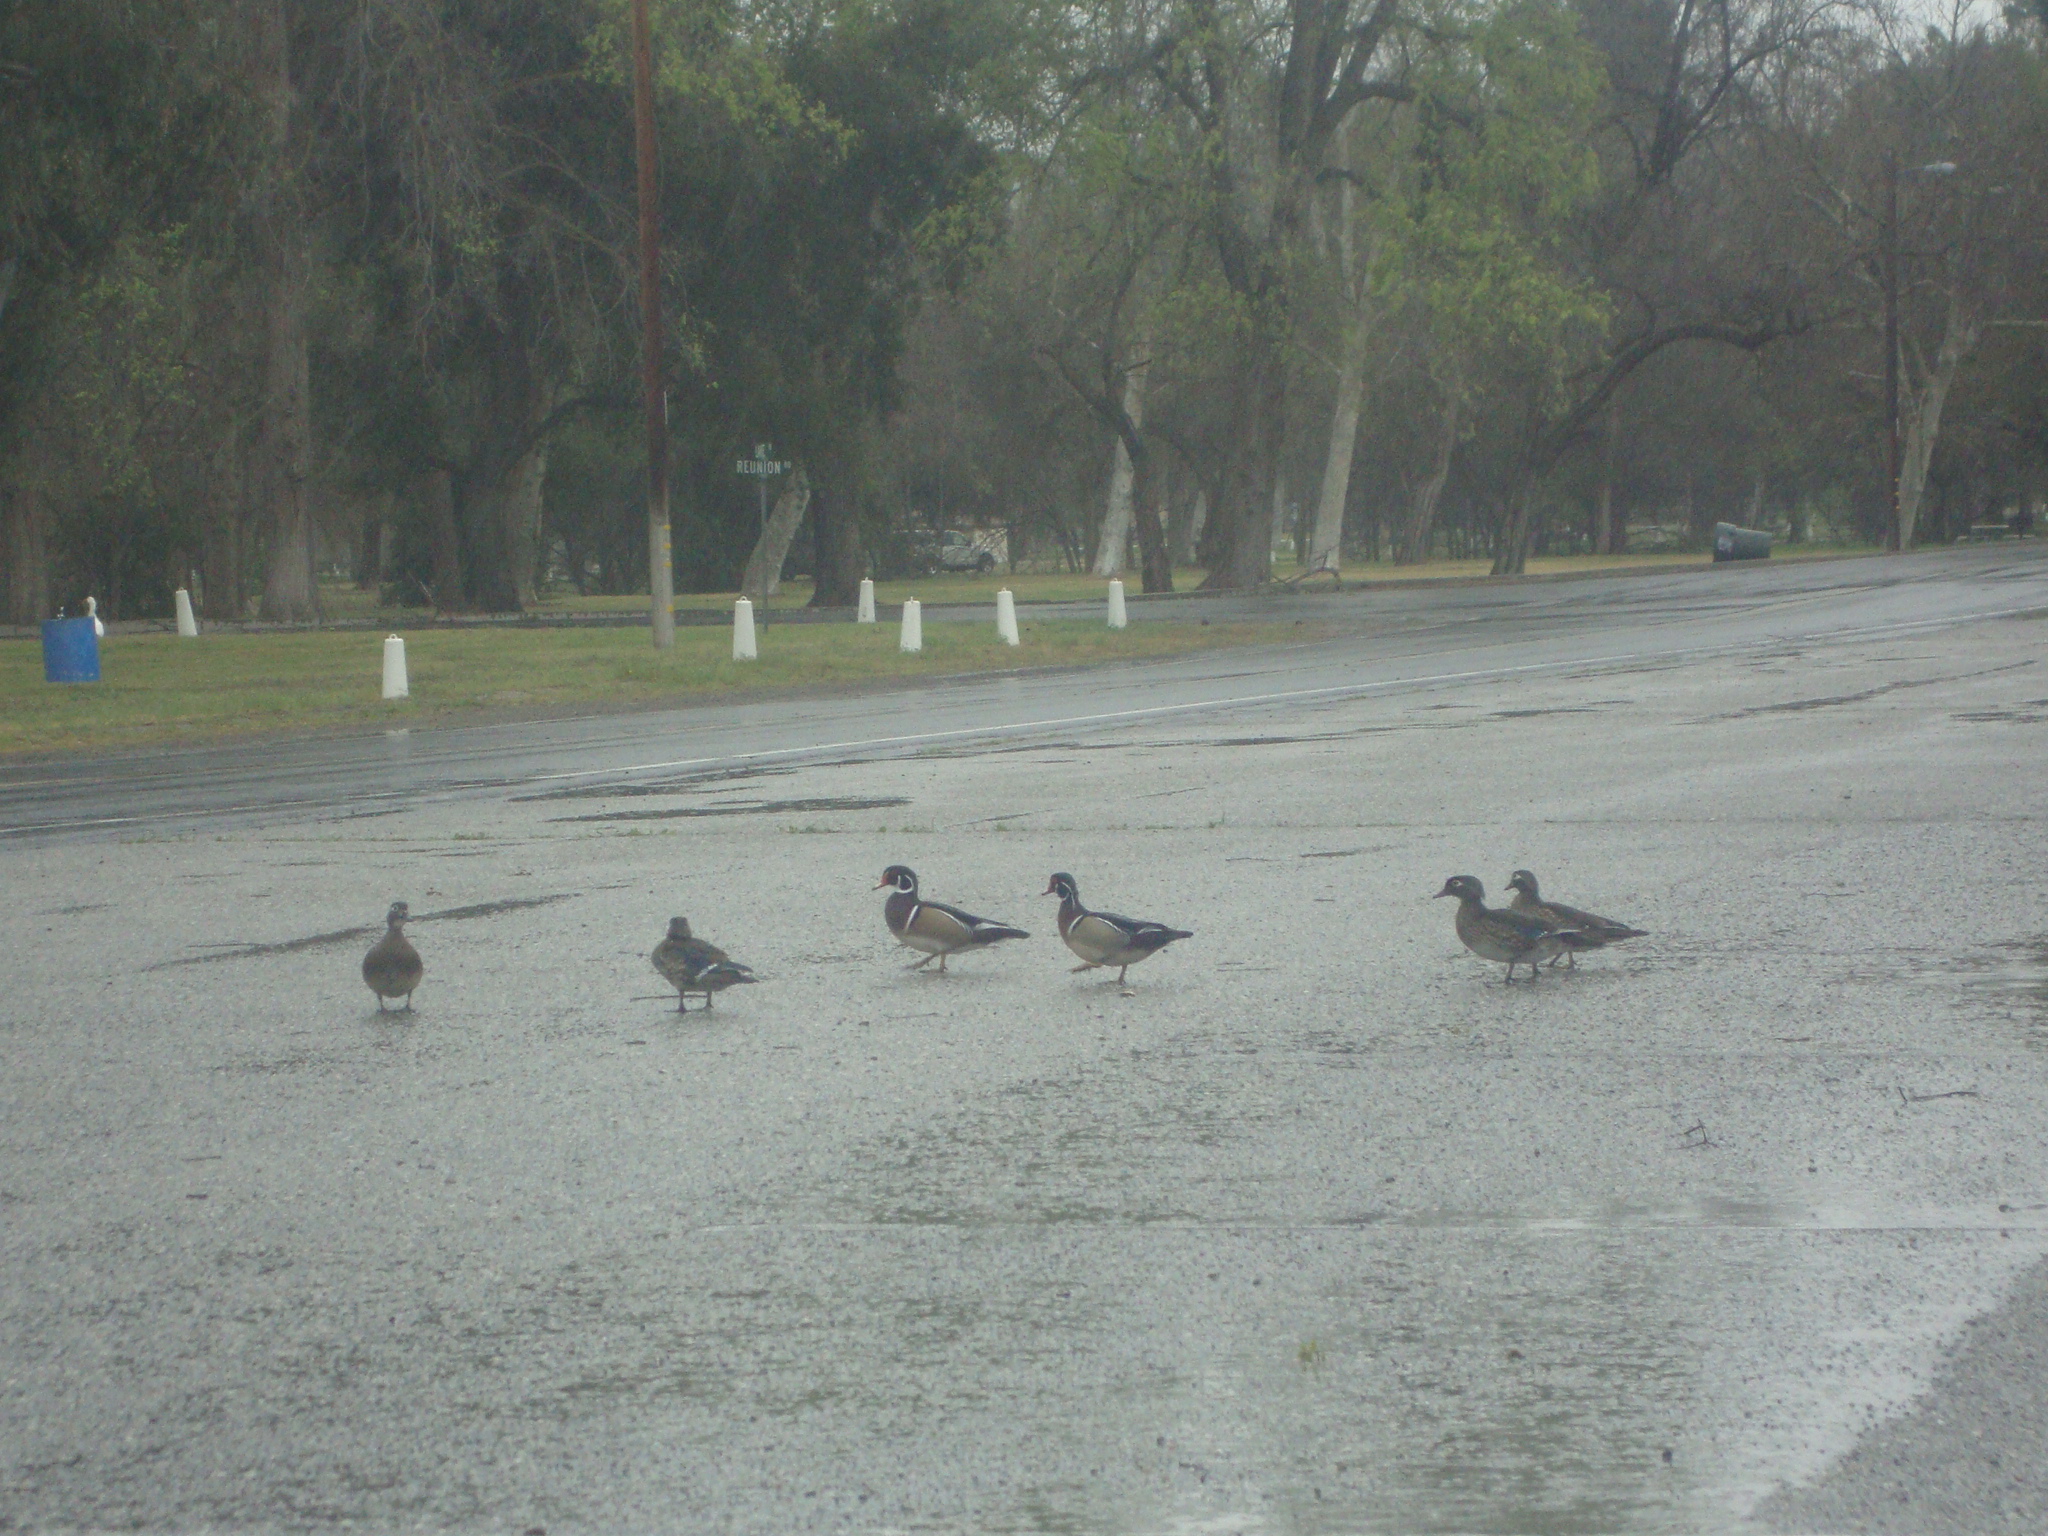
(760, 465)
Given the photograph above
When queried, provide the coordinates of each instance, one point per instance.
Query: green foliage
(1492, 167)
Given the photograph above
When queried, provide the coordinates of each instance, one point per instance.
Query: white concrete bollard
(743, 631)
(395, 685)
(188, 627)
(865, 614)
(1006, 617)
(1117, 617)
(913, 625)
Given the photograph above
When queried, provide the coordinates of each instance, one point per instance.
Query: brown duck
(1589, 931)
(1497, 934)
(694, 965)
(392, 967)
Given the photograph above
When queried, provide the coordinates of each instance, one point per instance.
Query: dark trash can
(1733, 543)
(71, 651)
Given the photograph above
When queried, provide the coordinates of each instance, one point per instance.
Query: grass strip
(157, 689)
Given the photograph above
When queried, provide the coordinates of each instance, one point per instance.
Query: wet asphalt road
(1323, 1230)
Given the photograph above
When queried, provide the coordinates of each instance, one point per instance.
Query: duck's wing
(1600, 930)
(949, 924)
(1138, 933)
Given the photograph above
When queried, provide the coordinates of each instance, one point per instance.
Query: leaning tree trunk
(764, 567)
(1923, 413)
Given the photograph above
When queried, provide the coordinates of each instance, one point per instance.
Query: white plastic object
(188, 627)
(743, 648)
(913, 625)
(865, 614)
(1006, 617)
(1117, 617)
(395, 684)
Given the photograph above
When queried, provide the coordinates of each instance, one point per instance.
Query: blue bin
(71, 651)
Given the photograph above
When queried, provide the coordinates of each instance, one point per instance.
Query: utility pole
(660, 567)
(1891, 350)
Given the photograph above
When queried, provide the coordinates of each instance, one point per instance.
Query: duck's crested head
(1464, 887)
(1062, 885)
(679, 927)
(399, 913)
(899, 877)
(1521, 880)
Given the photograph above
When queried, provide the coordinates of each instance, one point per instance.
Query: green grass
(340, 601)
(157, 688)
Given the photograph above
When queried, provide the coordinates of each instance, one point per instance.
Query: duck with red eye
(1497, 934)
(931, 927)
(1103, 938)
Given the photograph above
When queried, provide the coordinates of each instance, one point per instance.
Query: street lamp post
(660, 562)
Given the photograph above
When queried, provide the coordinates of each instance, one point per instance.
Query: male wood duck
(931, 927)
(1104, 939)
(693, 965)
(392, 967)
(1592, 932)
(1495, 933)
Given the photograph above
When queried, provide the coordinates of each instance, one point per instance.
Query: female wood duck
(392, 968)
(932, 927)
(1102, 938)
(1591, 932)
(1494, 933)
(693, 965)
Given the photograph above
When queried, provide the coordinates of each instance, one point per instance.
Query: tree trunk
(498, 498)
(1605, 541)
(450, 594)
(1241, 525)
(1115, 533)
(1325, 547)
(1156, 569)
(1187, 536)
(1923, 413)
(25, 544)
(764, 567)
(1117, 512)
(1415, 538)
(283, 450)
(1512, 558)
(835, 527)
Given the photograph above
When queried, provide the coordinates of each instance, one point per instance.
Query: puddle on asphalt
(688, 784)
(351, 935)
(749, 808)
(2008, 979)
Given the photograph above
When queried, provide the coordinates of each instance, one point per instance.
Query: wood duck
(932, 927)
(1495, 933)
(1592, 932)
(1104, 939)
(693, 965)
(392, 967)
